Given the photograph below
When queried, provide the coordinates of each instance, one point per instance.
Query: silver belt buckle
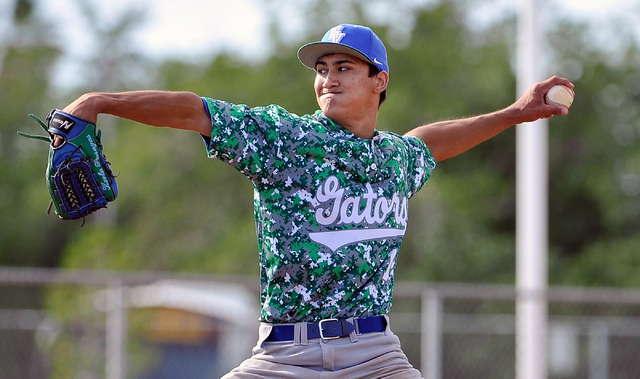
(322, 333)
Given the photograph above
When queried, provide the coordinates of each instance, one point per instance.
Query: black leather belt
(330, 328)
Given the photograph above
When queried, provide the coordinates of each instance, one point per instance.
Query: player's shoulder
(394, 137)
(410, 144)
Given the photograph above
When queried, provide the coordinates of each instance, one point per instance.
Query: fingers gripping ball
(78, 175)
(560, 95)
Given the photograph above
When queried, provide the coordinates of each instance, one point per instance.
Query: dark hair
(373, 71)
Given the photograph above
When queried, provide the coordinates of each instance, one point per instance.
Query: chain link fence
(96, 324)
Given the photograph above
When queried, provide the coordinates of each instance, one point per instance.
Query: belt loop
(353, 336)
(386, 321)
(298, 327)
(304, 340)
(264, 332)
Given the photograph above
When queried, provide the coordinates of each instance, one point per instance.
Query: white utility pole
(532, 203)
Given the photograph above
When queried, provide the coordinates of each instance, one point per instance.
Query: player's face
(344, 90)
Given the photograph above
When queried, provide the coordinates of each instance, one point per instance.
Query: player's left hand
(79, 178)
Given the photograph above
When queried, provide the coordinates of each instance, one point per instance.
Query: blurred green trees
(179, 211)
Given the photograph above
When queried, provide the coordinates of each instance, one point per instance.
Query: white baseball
(560, 95)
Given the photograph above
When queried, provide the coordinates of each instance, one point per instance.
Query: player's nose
(330, 81)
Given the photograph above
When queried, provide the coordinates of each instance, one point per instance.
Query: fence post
(116, 331)
(431, 335)
(598, 350)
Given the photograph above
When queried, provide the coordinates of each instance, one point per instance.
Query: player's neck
(362, 127)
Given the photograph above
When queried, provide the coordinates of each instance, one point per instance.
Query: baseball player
(331, 200)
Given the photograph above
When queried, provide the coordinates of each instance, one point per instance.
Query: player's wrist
(87, 107)
(512, 115)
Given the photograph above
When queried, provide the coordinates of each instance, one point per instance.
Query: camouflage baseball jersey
(331, 209)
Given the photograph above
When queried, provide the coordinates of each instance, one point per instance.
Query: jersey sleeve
(240, 136)
(421, 164)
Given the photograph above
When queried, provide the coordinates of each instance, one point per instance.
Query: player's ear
(382, 81)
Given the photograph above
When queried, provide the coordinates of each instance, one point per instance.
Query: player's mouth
(329, 93)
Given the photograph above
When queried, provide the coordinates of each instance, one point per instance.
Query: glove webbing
(79, 187)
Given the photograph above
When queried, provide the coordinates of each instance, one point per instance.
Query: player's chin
(328, 105)
(331, 112)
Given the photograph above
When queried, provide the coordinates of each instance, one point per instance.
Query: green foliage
(610, 262)
(594, 168)
(23, 84)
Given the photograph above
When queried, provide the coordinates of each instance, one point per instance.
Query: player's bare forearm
(178, 110)
(447, 139)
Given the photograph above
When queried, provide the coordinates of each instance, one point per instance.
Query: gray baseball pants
(365, 356)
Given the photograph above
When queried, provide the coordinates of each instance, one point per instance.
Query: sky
(193, 29)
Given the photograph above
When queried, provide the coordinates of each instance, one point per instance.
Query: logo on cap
(336, 34)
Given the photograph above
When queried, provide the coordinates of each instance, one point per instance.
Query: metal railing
(95, 324)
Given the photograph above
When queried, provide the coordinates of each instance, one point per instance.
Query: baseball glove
(78, 176)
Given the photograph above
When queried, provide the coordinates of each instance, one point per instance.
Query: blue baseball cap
(356, 40)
